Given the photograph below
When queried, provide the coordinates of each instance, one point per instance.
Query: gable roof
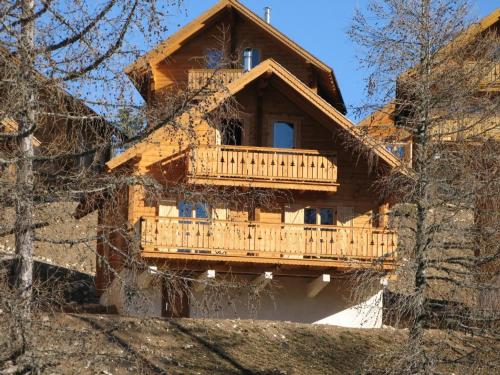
(267, 67)
(175, 42)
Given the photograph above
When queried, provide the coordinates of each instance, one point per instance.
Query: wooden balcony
(264, 167)
(490, 78)
(257, 242)
(212, 79)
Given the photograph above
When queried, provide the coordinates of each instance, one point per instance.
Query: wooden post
(313, 78)
(262, 280)
(260, 120)
(232, 37)
(383, 211)
(202, 280)
(317, 285)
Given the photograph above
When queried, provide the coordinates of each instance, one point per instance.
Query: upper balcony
(258, 242)
(263, 167)
(490, 79)
(212, 79)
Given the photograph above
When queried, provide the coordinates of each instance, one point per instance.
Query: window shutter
(220, 213)
(294, 215)
(168, 209)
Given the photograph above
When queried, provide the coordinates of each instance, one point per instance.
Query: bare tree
(66, 105)
(436, 68)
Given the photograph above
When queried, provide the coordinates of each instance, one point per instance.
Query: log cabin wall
(355, 190)
(354, 203)
(241, 34)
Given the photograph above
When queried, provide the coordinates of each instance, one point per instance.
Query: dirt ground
(61, 226)
(110, 344)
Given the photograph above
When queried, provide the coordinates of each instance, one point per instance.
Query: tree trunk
(24, 167)
(421, 196)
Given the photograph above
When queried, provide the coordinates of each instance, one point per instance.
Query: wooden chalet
(290, 138)
(383, 124)
(65, 124)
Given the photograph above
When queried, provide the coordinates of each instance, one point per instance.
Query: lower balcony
(256, 242)
(264, 167)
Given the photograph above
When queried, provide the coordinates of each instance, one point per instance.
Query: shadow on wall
(287, 300)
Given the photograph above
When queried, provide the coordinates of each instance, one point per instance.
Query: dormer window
(251, 58)
(214, 58)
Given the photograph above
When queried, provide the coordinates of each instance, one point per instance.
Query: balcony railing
(196, 239)
(264, 167)
(211, 79)
(490, 75)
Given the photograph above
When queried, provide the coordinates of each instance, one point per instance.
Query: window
(232, 133)
(214, 58)
(310, 216)
(322, 216)
(255, 57)
(201, 211)
(197, 210)
(185, 209)
(397, 149)
(326, 216)
(283, 135)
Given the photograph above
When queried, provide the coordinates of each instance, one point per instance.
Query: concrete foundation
(286, 299)
(132, 296)
(282, 299)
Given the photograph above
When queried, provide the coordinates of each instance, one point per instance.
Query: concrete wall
(285, 299)
(132, 297)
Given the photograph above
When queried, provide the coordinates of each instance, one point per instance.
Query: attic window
(214, 58)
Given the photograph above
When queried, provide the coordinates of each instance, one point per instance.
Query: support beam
(317, 285)
(262, 280)
(203, 279)
(233, 38)
(313, 77)
(259, 120)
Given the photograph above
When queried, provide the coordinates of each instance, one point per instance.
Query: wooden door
(175, 302)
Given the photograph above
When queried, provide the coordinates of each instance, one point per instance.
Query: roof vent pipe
(247, 59)
(267, 14)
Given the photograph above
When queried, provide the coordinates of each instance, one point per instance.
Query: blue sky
(317, 25)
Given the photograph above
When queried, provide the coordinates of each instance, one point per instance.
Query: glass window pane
(214, 58)
(326, 215)
(310, 216)
(201, 210)
(283, 135)
(255, 57)
(185, 209)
